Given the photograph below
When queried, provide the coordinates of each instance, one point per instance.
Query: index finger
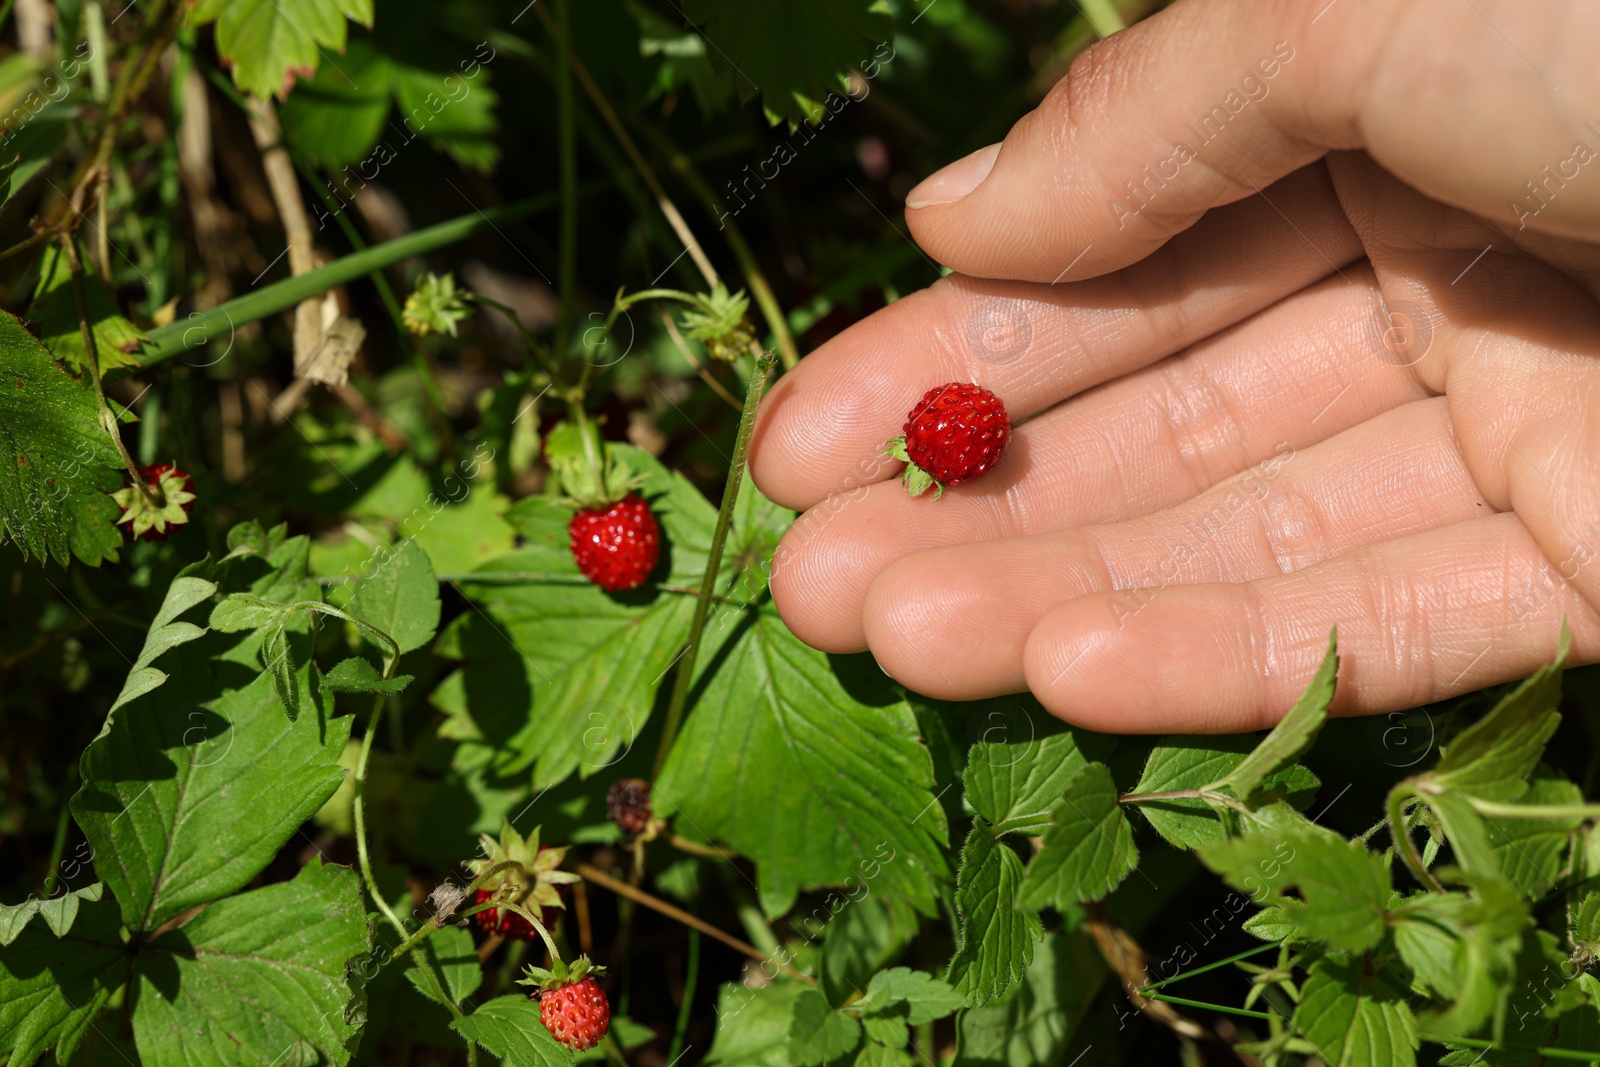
(822, 428)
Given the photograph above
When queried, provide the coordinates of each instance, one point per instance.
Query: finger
(1190, 109)
(1296, 374)
(1420, 619)
(823, 427)
(953, 622)
(1516, 345)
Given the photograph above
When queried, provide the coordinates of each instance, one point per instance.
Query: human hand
(1317, 367)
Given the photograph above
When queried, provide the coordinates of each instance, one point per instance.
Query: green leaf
(995, 941)
(337, 116)
(400, 596)
(59, 467)
(1344, 888)
(887, 1029)
(1183, 763)
(453, 955)
(1530, 850)
(58, 911)
(924, 997)
(1465, 949)
(167, 631)
(456, 115)
(1294, 733)
(873, 1054)
(509, 1027)
(1586, 923)
(270, 43)
(264, 970)
(560, 674)
(817, 1033)
(1467, 832)
(356, 675)
(1022, 761)
(1038, 1021)
(862, 938)
(1552, 1003)
(753, 1025)
(54, 316)
(1088, 849)
(1189, 762)
(464, 536)
(811, 766)
(793, 52)
(244, 611)
(1274, 924)
(51, 989)
(1494, 757)
(278, 658)
(187, 795)
(1354, 1018)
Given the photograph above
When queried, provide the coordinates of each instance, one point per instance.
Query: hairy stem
(108, 421)
(1208, 795)
(359, 808)
(719, 538)
(777, 321)
(1402, 836)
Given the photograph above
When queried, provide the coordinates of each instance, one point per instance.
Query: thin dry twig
(639, 896)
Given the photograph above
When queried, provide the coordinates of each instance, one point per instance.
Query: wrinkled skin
(1276, 386)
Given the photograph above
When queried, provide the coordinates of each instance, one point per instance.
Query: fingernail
(952, 182)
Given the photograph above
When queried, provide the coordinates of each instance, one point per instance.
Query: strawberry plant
(391, 670)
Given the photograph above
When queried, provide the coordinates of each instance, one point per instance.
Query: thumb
(1208, 102)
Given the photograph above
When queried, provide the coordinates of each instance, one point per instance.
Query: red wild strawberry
(955, 433)
(572, 1006)
(165, 501)
(628, 804)
(508, 924)
(617, 546)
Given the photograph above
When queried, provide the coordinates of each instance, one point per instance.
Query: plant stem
(1246, 954)
(777, 321)
(201, 326)
(1402, 836)
(1209, 795)
(108, 421)
(546, 362)
(695, 848)
(719, 538)
(672, 911)
(567, 154)
(359, 808)
(691, 976)
(663, 201)
(1534, 811)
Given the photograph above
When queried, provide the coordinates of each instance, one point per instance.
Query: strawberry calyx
(560, 973)
(162, 499)
(591, 478)
(916, 480)
(534, 877)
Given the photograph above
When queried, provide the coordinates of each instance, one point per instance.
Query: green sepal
(589, 474)
(561, 973)
(171, 494)
(916, 480)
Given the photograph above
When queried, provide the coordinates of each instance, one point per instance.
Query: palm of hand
(1325, 405)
